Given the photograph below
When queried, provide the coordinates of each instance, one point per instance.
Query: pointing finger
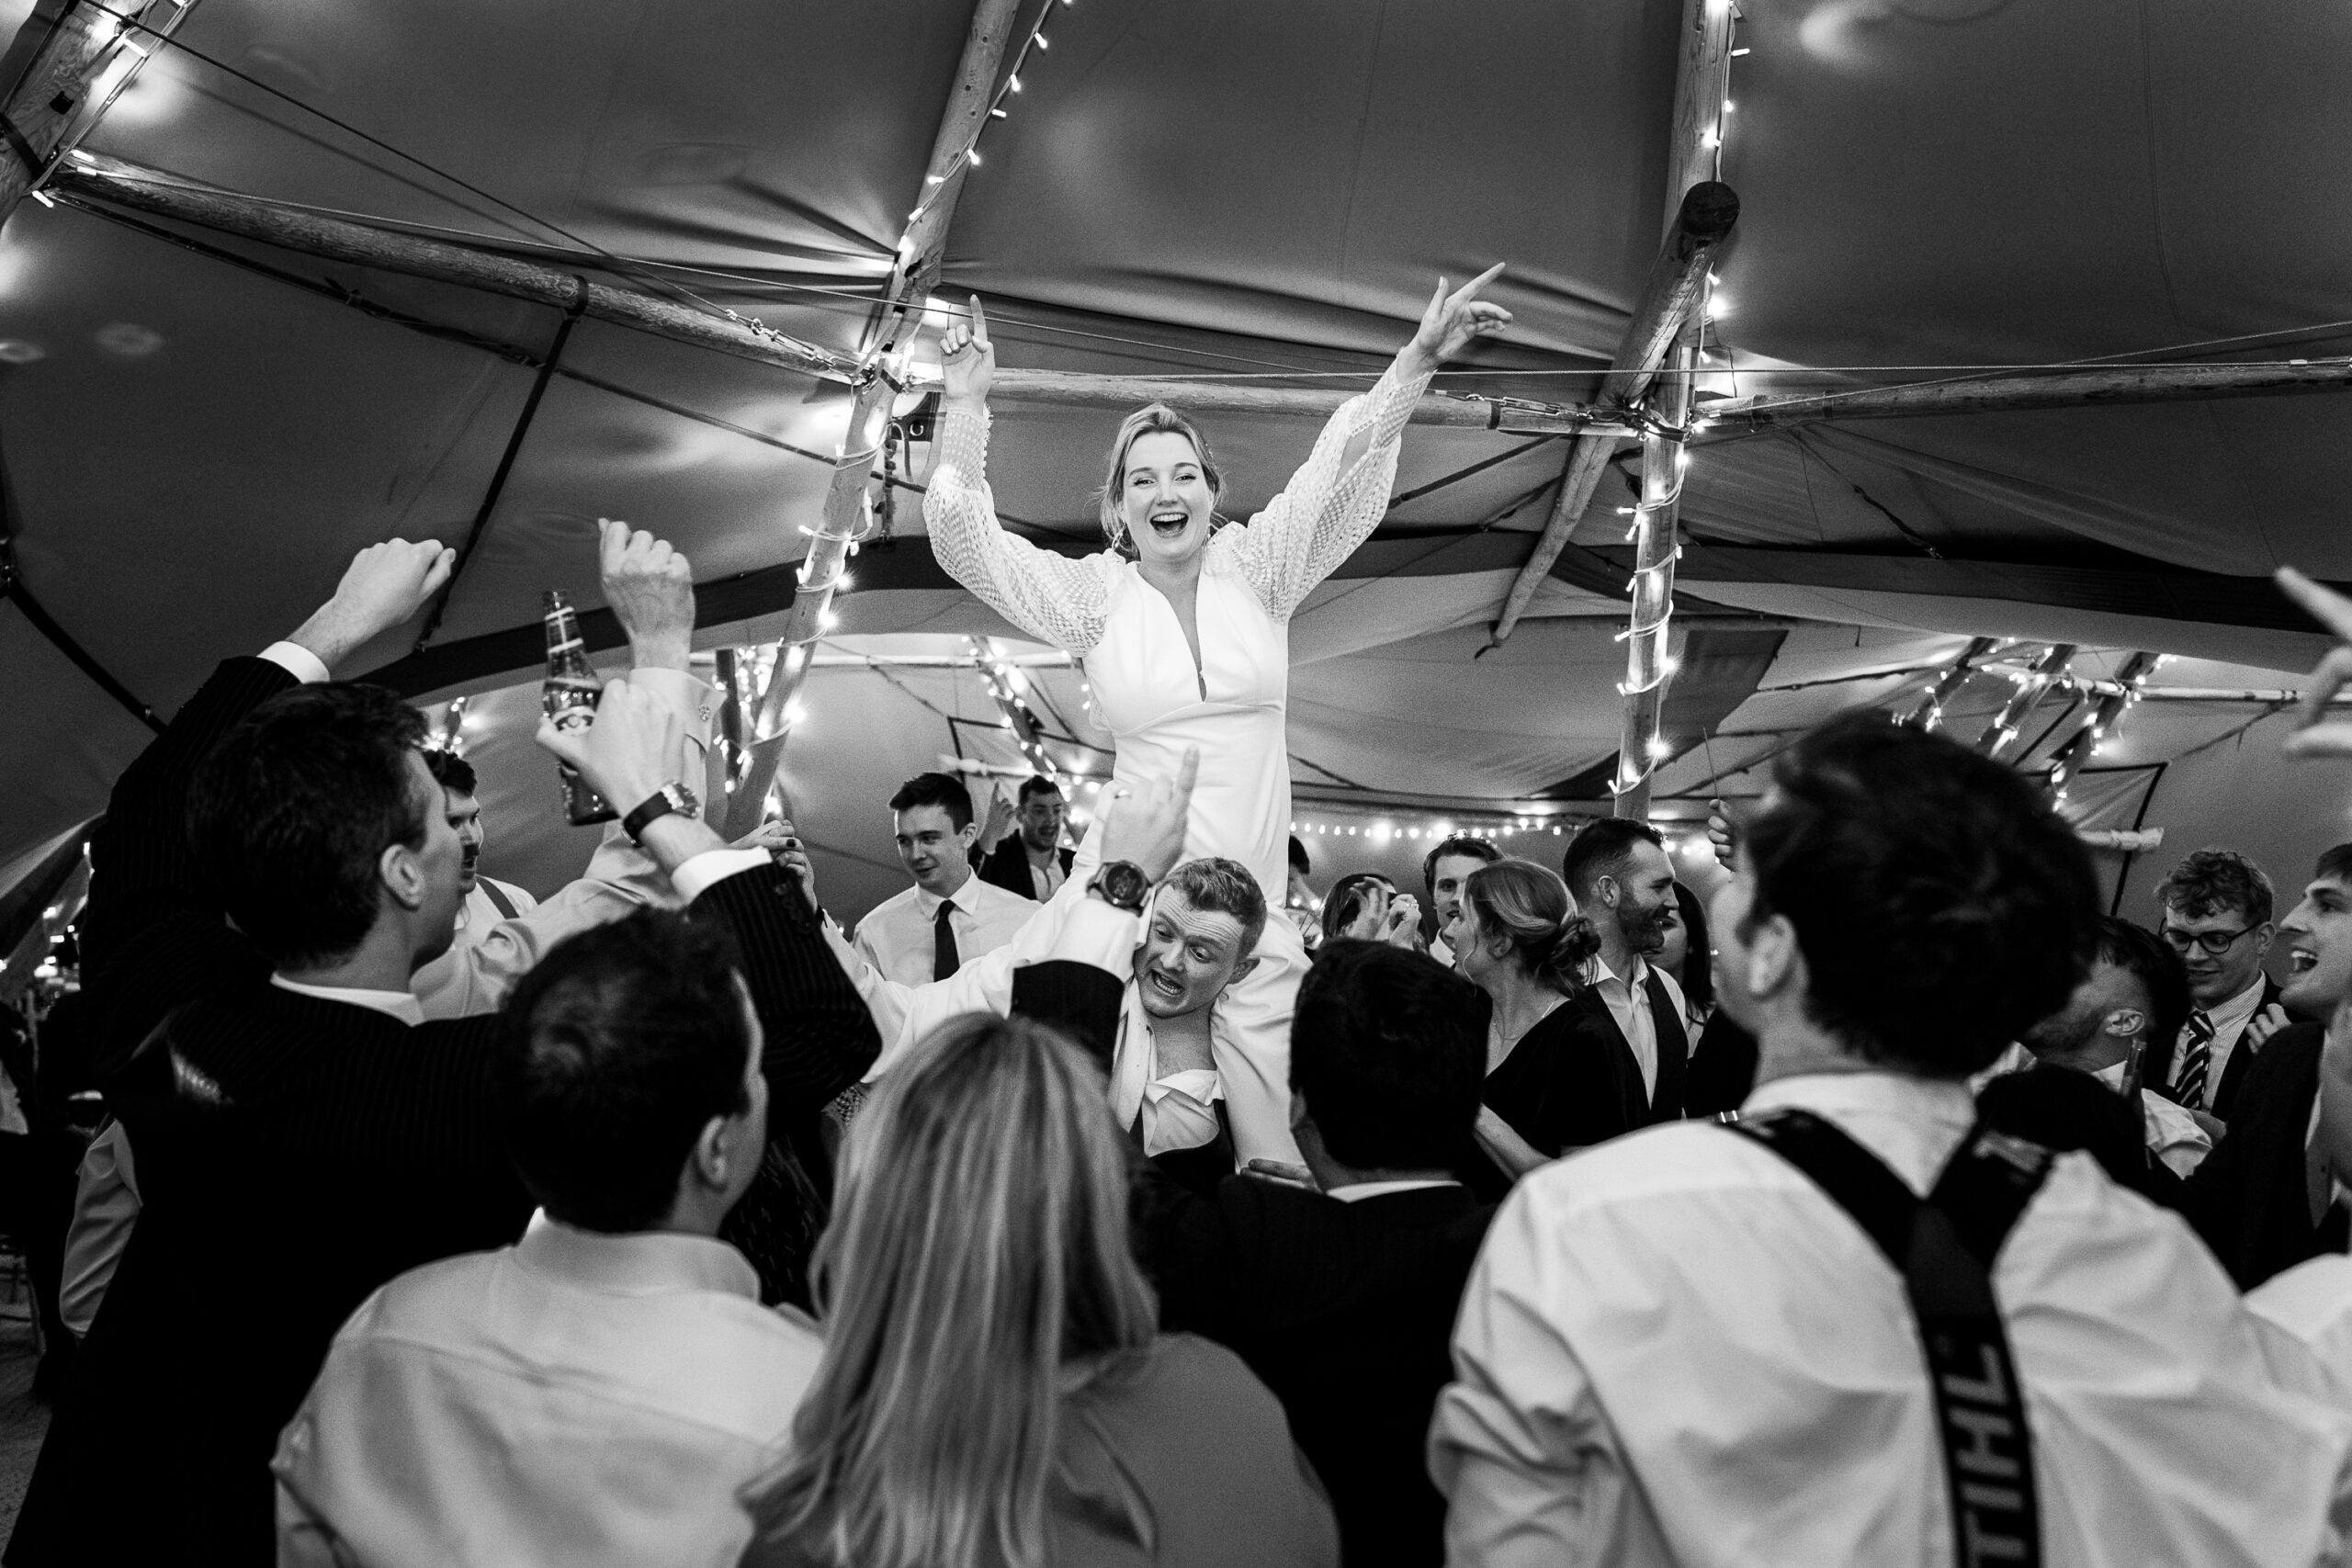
(1469, 290)
(980, 320)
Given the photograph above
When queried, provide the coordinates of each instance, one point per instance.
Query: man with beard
(2134, 994)
(1618, 872)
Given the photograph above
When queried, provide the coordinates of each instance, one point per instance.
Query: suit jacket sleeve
(2247, 1199)
(1080, 999)
(143, 871)
(821, 1039)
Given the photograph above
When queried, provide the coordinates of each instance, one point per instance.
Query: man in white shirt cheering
(950, 915)
(2217, 916)
(1680, 1347)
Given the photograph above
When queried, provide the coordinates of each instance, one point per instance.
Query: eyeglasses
(2213, 942)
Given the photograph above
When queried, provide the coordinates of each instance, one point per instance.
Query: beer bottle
(569, 696)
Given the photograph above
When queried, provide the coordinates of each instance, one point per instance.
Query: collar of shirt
(2230, 1016)
(1357, 1191)
(402, 1004)
(964, 898)
(1633, 981)
(639, 1263)
(1911, 1124)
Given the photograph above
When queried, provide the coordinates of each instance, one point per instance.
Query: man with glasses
(2217, 910)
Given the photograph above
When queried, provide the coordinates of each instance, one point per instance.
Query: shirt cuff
(298, 662)
(1098, 934)
(710, 867)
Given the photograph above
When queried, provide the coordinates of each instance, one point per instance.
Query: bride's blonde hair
(976, 1270)
(1152, 419)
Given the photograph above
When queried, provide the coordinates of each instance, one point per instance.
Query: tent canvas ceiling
(1197, 187)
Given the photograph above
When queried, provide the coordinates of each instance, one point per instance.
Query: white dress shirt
(1676, 1349)
(2230, 1018)
(1628, 1000)
(1176, 1110)
(900, 935)
(575, 1399)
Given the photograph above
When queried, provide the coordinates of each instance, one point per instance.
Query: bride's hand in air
(1453, 320)
(967, 360)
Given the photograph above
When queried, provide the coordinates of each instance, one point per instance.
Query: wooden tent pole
(1648, 665)
(2048, 670)
(848, 512)
(1676, 280)
(77, 60)
(1078, 388)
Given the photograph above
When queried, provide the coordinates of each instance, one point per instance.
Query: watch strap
(670, 797)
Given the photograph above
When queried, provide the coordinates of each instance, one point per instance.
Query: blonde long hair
(978, 1259)
(1152, 419)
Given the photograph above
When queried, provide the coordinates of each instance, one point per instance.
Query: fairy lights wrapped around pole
(2129, 679)
(2032, 686)
(1941, 690)
(1650, 664)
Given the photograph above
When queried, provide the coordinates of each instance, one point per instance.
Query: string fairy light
(969, 156)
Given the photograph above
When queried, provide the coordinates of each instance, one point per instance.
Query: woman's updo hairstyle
(1529, 903)
(1152, 419)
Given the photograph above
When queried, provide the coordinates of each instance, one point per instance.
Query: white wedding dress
(1157, 702)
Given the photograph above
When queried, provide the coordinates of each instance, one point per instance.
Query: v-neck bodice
(1149, 693)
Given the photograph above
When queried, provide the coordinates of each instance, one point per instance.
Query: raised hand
(651, 588)
(384, 585)
(1001, 813)
(1723, 837)
(1453, 320)
(967, 360)
(2316, 735)
(1148, 827)
(1401, 927)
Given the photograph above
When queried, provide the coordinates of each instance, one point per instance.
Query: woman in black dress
(1520, 941)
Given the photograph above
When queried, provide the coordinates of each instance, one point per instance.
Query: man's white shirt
(1676, 1349)
(1628, 1002)
(900, 935)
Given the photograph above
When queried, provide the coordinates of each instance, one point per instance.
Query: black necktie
(943, 961)
(2198, 1060)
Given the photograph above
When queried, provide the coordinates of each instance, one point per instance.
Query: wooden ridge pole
(2104, 386)
(1677, 278)
(1078, 389)
(116, 184)
(76, 61)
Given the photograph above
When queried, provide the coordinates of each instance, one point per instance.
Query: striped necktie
(2191, 1082)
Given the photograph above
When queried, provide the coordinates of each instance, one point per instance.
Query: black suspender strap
(1944, 1250)
(498, 898)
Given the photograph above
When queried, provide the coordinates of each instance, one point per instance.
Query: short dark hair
(2142, 954)
(2210, 881)
(1347, 899)
(2334, 865)
(1600, 849)
(614, 1051)
(1389, 1047)
(450, 770)
(291, 811)
(1941, 904)
(1224, 887)
(1298, 861)
(1698, 976)
(1477, 848)
(1036, 785)
(942, 790)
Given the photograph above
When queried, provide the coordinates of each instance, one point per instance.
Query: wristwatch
(672, 796)
(1123, 884)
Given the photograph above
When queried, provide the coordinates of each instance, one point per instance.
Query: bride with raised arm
(1182, 627)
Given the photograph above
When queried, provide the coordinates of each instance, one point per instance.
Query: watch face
(685, 799)
(1125, 883)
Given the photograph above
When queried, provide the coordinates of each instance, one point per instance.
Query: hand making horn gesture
(1453, 320)
(2315, 735)
(967, 360)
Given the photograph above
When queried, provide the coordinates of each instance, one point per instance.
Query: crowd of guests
(1896, 1206)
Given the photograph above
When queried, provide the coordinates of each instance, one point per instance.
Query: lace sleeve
(1047, 595)
(1328, 509)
